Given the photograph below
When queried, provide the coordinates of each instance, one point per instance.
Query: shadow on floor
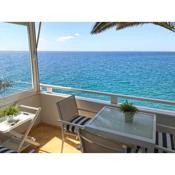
(51, 136)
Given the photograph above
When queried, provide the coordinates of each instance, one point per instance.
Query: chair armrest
(164, 149)
(69, 123)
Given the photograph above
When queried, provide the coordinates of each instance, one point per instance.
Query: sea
(143, 74)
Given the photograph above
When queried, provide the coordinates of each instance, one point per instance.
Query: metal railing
(113, 96)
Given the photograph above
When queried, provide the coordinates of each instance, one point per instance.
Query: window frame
(33, 64)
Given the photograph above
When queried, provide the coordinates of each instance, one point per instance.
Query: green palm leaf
(102, 26)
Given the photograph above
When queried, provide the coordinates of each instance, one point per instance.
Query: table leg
(28, 139)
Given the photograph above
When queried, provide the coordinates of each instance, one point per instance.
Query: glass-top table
(111, 121)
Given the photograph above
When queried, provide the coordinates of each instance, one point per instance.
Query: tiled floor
(50, 139)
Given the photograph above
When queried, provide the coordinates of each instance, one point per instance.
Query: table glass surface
(111, 119)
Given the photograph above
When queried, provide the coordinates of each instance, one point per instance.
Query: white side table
(20, 141)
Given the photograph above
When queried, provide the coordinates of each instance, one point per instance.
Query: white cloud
(68, 37)
(76, 34)
(65, 38)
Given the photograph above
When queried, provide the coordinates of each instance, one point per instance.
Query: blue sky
(75, 36)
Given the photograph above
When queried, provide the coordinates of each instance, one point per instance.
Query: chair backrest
(67, 108)
(93, 143)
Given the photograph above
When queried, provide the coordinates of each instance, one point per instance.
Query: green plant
(1, 113)
(128, 107)
(12, 110)
(102, 26)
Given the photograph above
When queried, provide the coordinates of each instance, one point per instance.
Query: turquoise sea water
(146, 74)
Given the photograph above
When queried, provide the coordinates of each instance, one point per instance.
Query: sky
(75, 36)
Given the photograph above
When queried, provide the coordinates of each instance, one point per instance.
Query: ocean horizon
(142, 73)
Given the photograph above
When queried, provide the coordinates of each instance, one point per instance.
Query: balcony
(47, 131)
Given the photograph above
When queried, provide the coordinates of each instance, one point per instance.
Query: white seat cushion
(79, 120)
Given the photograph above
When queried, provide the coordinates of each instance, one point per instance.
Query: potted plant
(8, 112)
(129, 111)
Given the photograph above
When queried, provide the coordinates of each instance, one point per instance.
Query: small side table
(19, 141)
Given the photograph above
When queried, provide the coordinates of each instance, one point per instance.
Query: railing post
(49, 89)
(113, 99)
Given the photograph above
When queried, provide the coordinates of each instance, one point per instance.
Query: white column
(34, 57)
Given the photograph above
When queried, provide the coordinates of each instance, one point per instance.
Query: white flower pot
(8, 117)
(129, 117)
(3, 118)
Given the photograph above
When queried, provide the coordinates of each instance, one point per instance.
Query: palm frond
(122, 25)
(167, 25)
(101, 26)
